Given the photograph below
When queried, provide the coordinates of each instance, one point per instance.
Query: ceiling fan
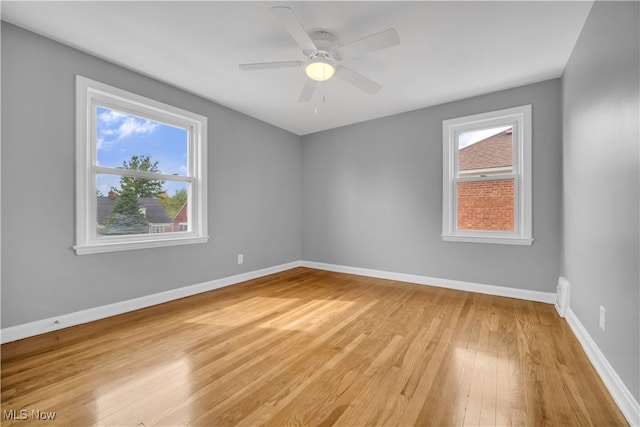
(323, 54)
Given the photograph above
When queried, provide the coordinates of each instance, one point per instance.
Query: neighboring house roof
(154, 211)
(492, 152)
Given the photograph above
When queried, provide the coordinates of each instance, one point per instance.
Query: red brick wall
(181, 216)
(485, 205)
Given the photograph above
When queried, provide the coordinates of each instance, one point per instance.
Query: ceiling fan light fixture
(319, 69)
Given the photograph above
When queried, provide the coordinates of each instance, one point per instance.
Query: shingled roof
(154, 211)
(492, 152)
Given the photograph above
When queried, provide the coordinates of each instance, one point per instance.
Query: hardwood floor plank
(310, 347)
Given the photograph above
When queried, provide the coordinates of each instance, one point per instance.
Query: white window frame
(89, 95)
(520, 119)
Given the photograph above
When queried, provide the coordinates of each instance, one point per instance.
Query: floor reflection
(485, 386)
(294, 316)
(140, 398)
(241, 312)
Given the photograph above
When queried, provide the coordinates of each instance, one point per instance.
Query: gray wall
(372, 196)
(601, 255)
(254, 190)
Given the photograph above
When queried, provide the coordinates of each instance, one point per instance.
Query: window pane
(122, 209)
(485, 205)
(132, 142)
(485, 152)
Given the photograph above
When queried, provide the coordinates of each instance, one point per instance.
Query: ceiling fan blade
(378, 41)
(307, 90)
(294, 27)
(269, 65)
(357, 79)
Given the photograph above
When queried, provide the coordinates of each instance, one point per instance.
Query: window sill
(502, 240)
(139, 244)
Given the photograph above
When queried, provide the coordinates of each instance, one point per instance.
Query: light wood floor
(308, 347)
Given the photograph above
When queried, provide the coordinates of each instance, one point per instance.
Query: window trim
(88, 94)
(520, 118)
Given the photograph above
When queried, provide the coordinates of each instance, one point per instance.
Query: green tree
(173, 204)
(141, 187)
(125, 216)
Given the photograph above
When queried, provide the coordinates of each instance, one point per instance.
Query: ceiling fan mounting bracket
(325, 41)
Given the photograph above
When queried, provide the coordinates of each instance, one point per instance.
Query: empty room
(348, 213)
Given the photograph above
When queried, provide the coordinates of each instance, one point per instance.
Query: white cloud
(132, 126)
(111, 116)
(120, 126)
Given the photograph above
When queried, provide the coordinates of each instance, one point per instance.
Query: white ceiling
(447, 51)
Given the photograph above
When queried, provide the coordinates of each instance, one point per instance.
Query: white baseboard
(545, 297)
(14, 333)
(629, 407)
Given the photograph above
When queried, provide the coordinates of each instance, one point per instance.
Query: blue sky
(120, 136)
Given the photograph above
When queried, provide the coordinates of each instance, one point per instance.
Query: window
(487, 177)
(156, 229)
(139, 165)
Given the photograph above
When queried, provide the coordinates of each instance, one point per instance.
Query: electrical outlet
(602, 317)
(240, 258)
